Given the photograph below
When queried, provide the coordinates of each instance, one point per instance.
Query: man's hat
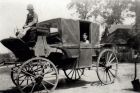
(30, 6)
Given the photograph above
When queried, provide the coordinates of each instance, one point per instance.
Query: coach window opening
(84, 31)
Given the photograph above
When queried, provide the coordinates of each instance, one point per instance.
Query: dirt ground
(89, 82)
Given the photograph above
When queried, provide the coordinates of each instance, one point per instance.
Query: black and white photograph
(69, 46)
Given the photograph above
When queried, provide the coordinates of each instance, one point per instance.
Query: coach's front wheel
(37, 75)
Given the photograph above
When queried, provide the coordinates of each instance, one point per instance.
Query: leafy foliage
(112, 11)
(118, 7)
(82, 7)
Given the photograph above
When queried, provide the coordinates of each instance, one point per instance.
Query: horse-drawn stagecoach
(59, 46)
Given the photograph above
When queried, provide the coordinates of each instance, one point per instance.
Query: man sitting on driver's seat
(30, 26)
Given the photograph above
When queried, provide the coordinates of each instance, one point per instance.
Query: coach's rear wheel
(107, 66)
(73, 73)
(37, 74)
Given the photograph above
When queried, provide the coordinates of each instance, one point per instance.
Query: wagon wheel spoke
(29, 80)
(48, 82)
(109, 76)
(43, 70)
(107, 57)
(25, 86)
(25, 71)
(81, 71)
(110, 61)
(31, 67)
(45, 87)
(49, 76)
(22, 76)
(22, 80)
(25, 78)
(39, 69)
(49, 73)
(110, 57)
(114, 67)
(33, 88)
(75, 74)
(112, 74)
(28, 73)
(72, 74)
(78, 72)
(106, 76)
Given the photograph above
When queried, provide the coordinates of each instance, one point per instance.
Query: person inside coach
(85, 38)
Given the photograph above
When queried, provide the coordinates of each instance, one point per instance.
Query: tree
(118, 8)
(82, 7)
(112, 11)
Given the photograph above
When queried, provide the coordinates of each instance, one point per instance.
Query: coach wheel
(37, 74)
(74, 73)
(107, 66)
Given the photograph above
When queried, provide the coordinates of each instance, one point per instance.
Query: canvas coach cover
(68, 29)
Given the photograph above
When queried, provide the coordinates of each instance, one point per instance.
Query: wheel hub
(107, 68)
(39, 79)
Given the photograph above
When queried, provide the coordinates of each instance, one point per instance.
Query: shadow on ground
(63, 84)
(131, 89)
(12, 90)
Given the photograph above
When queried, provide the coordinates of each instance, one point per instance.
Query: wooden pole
(137, 10)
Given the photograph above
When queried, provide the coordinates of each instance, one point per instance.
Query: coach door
(85, 45)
